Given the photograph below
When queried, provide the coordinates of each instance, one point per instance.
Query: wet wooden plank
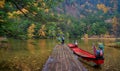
(63, 59)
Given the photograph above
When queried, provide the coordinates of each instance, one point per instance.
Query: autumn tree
(2, 2)
(31, 31)
(33, 10)
(42, 31)
(114, 22)
(102, 7)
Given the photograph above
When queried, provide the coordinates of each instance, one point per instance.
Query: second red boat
(86, 55)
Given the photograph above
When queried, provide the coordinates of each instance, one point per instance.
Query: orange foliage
(2, 3)
(42, 31)
(46, 10)
(31, 31)
(102, 7)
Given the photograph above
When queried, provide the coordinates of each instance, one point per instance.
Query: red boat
(86, 55)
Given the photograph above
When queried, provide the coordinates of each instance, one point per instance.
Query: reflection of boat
(86, 55)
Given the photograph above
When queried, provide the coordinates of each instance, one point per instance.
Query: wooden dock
(63, 59)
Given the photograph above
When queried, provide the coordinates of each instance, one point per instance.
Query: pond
(26, 55)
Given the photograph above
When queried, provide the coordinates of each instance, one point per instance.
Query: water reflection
(42, 45)
(31, 46)
(39, 51)
(26, 53)
(111, 55)
(88, 47)
(86, 41)
(108, 41)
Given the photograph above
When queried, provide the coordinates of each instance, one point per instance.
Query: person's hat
(101, 46)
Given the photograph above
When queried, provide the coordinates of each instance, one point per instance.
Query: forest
(34, 32)
(25, 19)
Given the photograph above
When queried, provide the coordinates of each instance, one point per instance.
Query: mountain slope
(83, 8)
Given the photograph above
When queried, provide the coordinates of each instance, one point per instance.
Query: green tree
(13, 15)
(98, 29)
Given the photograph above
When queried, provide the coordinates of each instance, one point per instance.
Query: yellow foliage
(24, 10)
(102, 7)
(31, 31)
(10, 15)
(2, 3)
(40, 8)
(46, 10)
(14, 13)
(86, 36)
(1, 20)
(34, 13)
(114, 22)
(42, 31)
(18, 12)
(99, 6)
(52, 14)
(107, 35)
(35, 4)
(105, 9)
(43, 4)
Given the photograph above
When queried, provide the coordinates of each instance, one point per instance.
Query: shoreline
(101, 38)
(91, 38)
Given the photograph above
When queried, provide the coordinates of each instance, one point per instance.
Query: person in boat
(99, 52)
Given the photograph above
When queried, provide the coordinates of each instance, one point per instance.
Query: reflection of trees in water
(86, 41)
(42, 45)
(115, 56)
(111, 55)
(31, 46)
(51, 43)
(87, 45)
(107, 41)
(111, 59)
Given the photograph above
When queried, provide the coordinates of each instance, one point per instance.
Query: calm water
(32, 55)
(111, 55)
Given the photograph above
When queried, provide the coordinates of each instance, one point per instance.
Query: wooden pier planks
(63, 59)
